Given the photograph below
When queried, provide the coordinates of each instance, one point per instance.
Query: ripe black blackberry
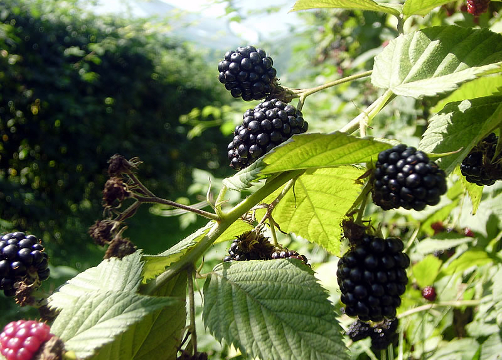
(251, 245)
(22, 258)
(359, 330)
(477, 7)
(405, 177)
(248, 73)
(479, 167)
(269, 124)
(384, 334)
(372, 277)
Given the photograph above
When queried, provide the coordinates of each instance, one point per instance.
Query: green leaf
(99, 317)
(316, 205)
(347, 4)
(470, 258)
(458, 349)
(481, 87)
(426, 271)
(238, 227)
(439, 215)
(475, 192)
(490, 349)
(421, 7)
(272, 310)
(322, 150)
(110, 275)
(156, 264)
(430, 245)
(436, 60)
(246, 177)
(461, 125)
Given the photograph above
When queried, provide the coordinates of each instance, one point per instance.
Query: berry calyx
(248, 73)
(429, 293)
(269, 124)
(405, 177)
(22, 258)
(21, 339)
(251, 245)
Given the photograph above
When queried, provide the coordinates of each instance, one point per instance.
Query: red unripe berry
(429, 293)
(468, 232)
(438, 227)
(21, 339)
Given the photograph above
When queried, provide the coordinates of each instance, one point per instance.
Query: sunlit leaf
(322, 150)
(426, 271)
(421, 7)
(347, 4)
(436, 60)
(272, 310)
(245, 177)
(473, 257)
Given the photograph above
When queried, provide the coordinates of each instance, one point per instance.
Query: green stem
(306, 92)
(193, 254)
(364, 118)
(454, 303)
(193, 331)
(157, 200)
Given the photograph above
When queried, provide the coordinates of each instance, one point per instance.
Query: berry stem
(364, 118)
(136, 181)
(157, 200)
(454, 303)
(194, 253)
(191, 300)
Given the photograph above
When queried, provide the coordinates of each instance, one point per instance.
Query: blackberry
(22, 258)
(384, 334)
(21, 339)
(405, 177)
(479, 167)
(359, 330)
(251, 245)
(269, 124)
(477, 7)
(248, 73)
(372, 277)
(429, 293)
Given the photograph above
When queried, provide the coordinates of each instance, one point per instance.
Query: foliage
(315, 188)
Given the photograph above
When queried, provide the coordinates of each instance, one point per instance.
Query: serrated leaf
(481, 87)
(156, 264)
(421, 7)
(316, 205)
(98, 317)
(245, 177)
(475, 192)
(158, 335)
(430, 245)
(490, 349)
(426, 271)
(461, 125)
(347, 4)
(458, 349)
(110, 275)
(322, 150)
(272, 310)
(470, 258)
(436, 60)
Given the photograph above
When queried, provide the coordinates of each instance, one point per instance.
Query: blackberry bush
(21, 339)
(248, 73)
(479, 167)
(22, 258)
(372, 277)
(405, 177)
(269, 124)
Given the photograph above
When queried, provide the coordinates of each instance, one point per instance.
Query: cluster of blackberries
(477, 7)
(382, 335)
(269, 124)
(21, 257)
(405, 177)
(248, 73)
(479, 167)
(252, 245)
(372, 277)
